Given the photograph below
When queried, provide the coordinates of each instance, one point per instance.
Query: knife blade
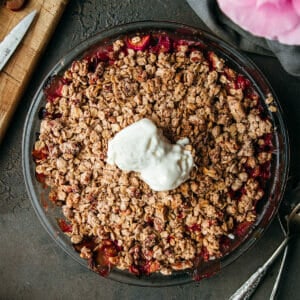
(13, 39)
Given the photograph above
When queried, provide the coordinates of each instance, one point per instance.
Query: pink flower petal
(242, 2)
(277, 3)
(296, 5)
(290, 38)
(266, 20)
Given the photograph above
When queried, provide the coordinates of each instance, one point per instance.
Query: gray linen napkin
(222, 26)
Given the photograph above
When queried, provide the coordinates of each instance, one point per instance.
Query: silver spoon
(290, 201)
(293, 228)
(279, 274)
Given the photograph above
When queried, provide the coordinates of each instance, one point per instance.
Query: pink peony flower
(272, 19)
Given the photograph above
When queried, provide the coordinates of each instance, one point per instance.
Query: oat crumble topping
(112, 217)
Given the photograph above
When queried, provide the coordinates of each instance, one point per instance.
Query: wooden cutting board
(17, 72)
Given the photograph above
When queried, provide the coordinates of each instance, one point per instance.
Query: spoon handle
(279, 274)
(248, 288)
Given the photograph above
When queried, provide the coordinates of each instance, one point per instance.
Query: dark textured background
(31, 264)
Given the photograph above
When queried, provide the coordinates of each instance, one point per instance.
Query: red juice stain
(242, 82)
(53, 88)
(100, 259)
(212, 59)
(265, 170)
(44, 202)
(144, 267)
(162, 44)
(205, 254)
(225, 244)
(195, 227)
(40, 154)
(180, 215)
(267, 146)
(40, 177)
(150, 222)
(63, 225)
(169, 238)
(138, 43)
(203, 267)
(86, 242)
(242, 228)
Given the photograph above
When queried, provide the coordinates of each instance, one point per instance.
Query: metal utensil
(293, 228)
(13, 39)
(279, 274)
(287, 206)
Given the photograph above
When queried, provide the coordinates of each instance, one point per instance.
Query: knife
(13, 39)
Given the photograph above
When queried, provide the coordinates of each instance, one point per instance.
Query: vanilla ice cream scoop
(141, 147)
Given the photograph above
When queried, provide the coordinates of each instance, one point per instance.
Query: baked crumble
(112, 217)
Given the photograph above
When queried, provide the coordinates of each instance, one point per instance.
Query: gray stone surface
(32, 266)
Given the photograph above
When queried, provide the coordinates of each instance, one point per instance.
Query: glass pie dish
(49, 214)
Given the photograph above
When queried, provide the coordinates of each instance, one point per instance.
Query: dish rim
(251, 71)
